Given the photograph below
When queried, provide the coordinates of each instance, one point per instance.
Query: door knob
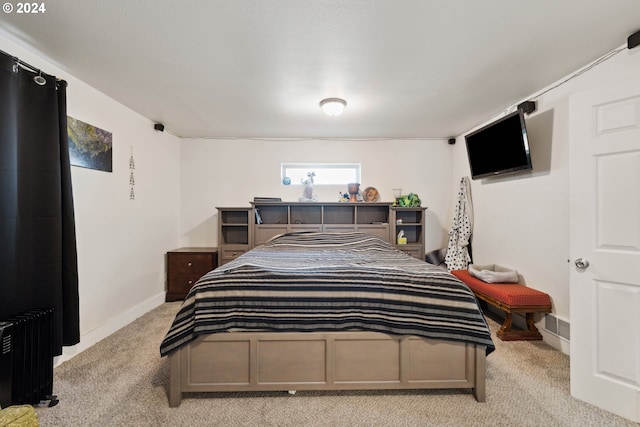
(582, 263)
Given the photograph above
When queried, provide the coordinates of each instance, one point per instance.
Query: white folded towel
(493, 273)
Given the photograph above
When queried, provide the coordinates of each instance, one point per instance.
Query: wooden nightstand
(185, 266)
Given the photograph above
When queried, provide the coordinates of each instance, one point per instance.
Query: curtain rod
(30, 67)
(21, 62)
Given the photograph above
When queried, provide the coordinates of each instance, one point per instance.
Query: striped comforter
(329, 282)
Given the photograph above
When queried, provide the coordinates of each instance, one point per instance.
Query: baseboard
(554, 340)
(114, 324)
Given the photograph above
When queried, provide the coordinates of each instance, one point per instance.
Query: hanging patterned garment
(458, 257)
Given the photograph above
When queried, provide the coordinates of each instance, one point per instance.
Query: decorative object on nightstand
(185, 266)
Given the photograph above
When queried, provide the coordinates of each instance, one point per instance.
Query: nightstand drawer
(182, 283)
(190, 262)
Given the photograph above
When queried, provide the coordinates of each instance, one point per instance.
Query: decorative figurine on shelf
(307, 193)
(354, 190)
(343, 197)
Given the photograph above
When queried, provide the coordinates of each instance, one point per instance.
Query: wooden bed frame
(283, 361)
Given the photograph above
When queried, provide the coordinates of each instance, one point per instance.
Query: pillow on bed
(493, 273)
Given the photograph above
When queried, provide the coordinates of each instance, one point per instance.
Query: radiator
(26, 358)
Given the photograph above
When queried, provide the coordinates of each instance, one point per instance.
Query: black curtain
(38, 257)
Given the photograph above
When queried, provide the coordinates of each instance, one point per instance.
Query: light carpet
(123, 381)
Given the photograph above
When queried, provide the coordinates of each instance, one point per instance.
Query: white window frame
(298, 171)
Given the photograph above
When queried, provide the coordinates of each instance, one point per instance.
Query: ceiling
(259, 68)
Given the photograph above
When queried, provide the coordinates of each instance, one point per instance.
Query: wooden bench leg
(506, 326)
(507, 334)
(531, 325)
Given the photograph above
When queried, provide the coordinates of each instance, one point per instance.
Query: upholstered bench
(510, 298)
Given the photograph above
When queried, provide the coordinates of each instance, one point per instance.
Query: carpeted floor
(123, 381)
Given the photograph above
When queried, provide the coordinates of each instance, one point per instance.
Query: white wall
(231, 172)
(121, 242)
(522, 221)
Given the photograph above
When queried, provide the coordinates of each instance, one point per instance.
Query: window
(325, 173)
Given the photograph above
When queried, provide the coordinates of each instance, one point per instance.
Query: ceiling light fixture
(333, 106)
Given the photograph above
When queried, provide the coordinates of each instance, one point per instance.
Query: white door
(605, 248)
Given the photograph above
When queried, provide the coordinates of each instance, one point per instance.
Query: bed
(327, 311)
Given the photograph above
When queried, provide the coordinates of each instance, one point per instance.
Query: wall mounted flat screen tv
(500, 147)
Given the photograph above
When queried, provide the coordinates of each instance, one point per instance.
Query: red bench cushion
(512, 294)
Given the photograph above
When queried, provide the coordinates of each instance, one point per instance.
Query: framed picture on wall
(89, 146)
